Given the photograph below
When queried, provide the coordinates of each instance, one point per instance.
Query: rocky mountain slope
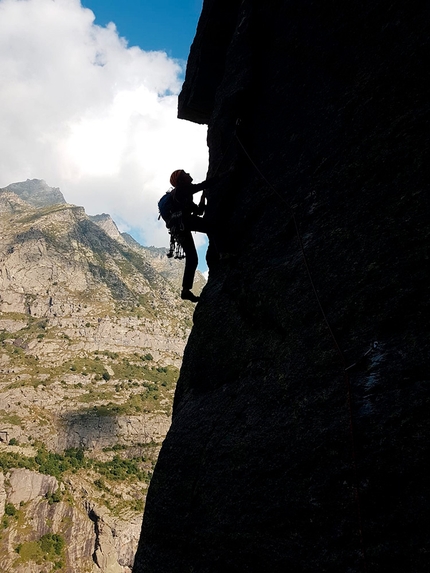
(92, 331)
(300, 432)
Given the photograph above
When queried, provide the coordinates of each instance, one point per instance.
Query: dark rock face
(287, 425)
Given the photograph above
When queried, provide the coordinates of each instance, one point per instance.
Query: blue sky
(167, 25)
(91, 107)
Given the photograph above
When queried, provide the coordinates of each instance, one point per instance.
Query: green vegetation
(119, 469)
(95, 367)
(100, 483)
(54, 497)
(10, 460)
(131, 374)
(84, 365)
(50, 547)
(144, 402)
(5, 335)
(115, 448)
(45, 462)
(57, 464)
(128, 370)
(160, 374)
(72, 460)
(132, 368)
(112, 355)
(12, 419)
(10, 510)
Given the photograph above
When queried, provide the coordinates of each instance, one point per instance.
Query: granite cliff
(92, 332)
(300, 431)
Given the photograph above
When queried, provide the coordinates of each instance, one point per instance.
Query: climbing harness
(336, 344)
(175, 250)
(176, 226)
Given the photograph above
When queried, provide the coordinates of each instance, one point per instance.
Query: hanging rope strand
(302, 250)
(336, 344)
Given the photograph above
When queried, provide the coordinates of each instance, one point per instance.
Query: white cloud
(90, 115)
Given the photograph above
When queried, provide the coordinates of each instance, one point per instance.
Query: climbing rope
(335, 342)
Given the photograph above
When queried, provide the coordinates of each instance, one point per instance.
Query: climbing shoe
(188, 295)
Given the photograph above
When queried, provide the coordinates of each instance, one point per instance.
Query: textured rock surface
(116, 541)
(256, 472)
(26, 485)
(95, 432)
(38, 517)
(3, 495)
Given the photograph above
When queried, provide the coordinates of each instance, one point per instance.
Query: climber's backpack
(168, 208)
(172, 215)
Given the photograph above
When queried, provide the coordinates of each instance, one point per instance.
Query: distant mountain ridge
(36, 192)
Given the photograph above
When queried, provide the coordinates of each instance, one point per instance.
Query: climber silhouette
(182, 216)
(187, 218)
